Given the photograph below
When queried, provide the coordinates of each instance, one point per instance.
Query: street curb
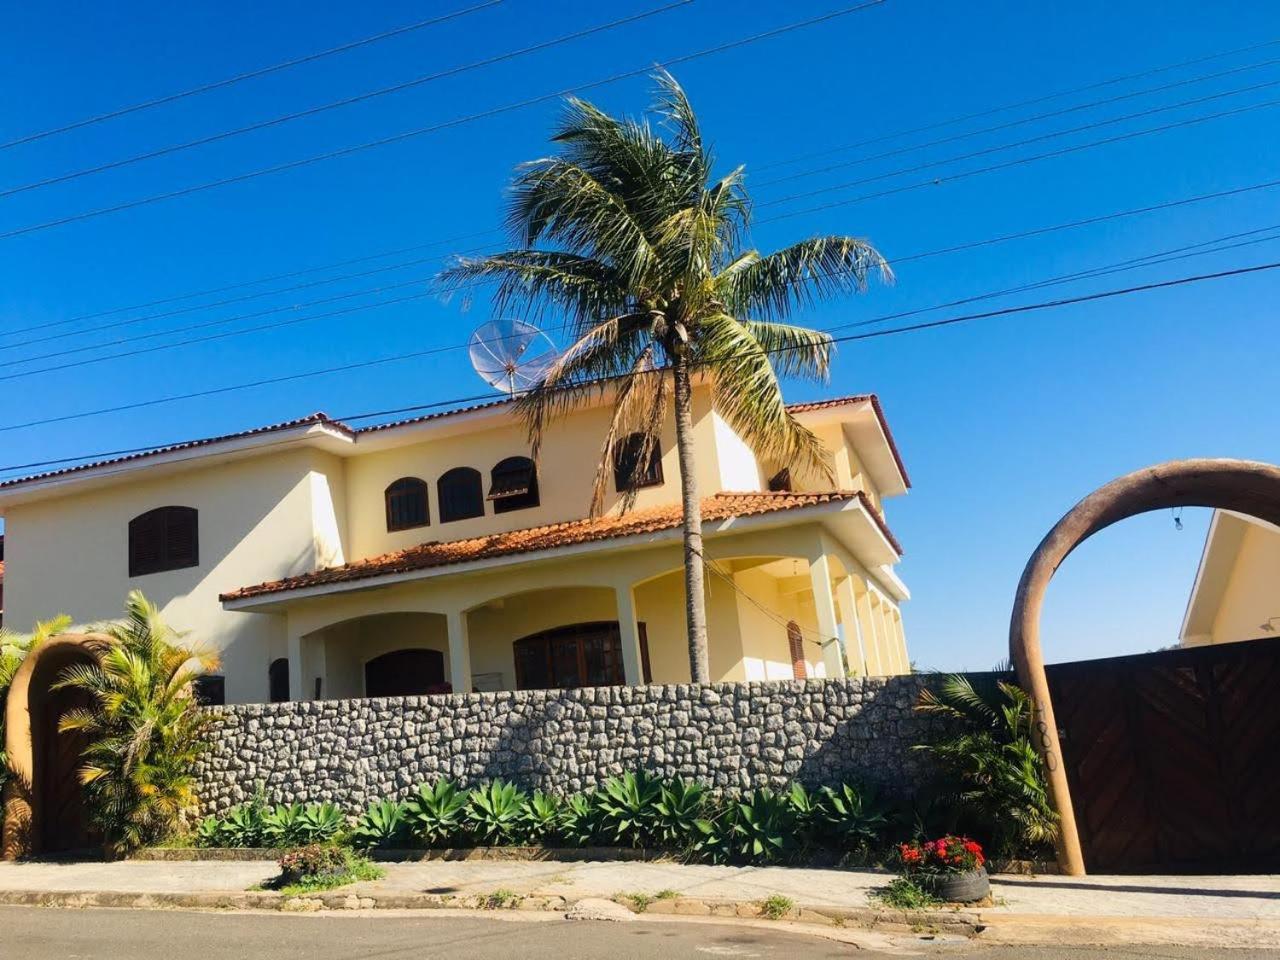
(956, 922)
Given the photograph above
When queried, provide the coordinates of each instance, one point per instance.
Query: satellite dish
(511, 355)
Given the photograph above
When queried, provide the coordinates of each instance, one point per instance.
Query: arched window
(404, 673)
(407, 504)
(461, 494)
(634, 466)
(166, 538)
(514, 485)
(278, 680)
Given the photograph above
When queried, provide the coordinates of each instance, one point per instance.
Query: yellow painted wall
(1252, 594)
(256, 519)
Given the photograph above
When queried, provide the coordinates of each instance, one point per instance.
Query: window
(514, 485)
(407, 504)
(278, 680)
(634, 466)
(405, 673)
(795, 639)
(166, 538)
(461, 495)
(210, 691)
(780, 482)
(579, 655)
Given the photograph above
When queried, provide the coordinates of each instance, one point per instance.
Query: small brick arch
(1244, 486)
(22, 799)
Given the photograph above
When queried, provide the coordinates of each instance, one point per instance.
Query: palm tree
(627, 233)
(14, 649)
(143, 727)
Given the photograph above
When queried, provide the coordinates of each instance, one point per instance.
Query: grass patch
(500, 899)
(639, 901)
(666, 895)
(356, 869)
(777, 907)
(905, 894)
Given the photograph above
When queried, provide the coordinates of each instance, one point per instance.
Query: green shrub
(322, 867)
(435, 814)
(713, 833)
(580, 820)
(320, 822)
(679, 806)
(904, 893)
(382, 825)
(493, 812)
(776, 907)
(764, 829)
(853, 818)
(540, 817)
(627, 808)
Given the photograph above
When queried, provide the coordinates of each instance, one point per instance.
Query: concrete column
(901, 634)
(886, 638)
(629, 634)
(297, 689)
(824, 605)
(459, 651)
(855, 648)
(871, 634)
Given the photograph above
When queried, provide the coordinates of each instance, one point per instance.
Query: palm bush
(630, 235)
(627, 807)
(989, 755)
(435, 813)
(143, 726)
(494, 812)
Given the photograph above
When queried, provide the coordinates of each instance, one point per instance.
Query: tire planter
(958, 887)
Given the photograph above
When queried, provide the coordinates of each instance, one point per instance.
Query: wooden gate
(1174, 757)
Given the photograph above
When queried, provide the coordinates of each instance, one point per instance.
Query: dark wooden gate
(1174, 757)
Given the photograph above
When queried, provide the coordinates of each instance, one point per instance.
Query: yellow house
(1236, 594)
(431, 554)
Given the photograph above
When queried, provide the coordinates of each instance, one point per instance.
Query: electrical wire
(344, 102)
(435, 128)
(249, 75)
(848, 338)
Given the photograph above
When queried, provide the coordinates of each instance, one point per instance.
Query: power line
(473, 235)
(848, 338)
(1044, 98)
(344, 102)
(1063, 151)
(1204, 78)
(249, 75)
(999, 148)
(1133, 263)
(434, 128)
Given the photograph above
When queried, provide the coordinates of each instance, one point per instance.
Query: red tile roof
(437, 554)
(130, 456)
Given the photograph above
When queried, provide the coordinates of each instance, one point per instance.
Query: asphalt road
(52, 934)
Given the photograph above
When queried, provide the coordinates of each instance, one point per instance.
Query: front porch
(783, 601)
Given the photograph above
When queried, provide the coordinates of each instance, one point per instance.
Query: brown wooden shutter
(796, 641)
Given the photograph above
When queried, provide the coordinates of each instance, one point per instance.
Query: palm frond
(801, 275)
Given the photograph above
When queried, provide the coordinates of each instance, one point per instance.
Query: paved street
(46, 934)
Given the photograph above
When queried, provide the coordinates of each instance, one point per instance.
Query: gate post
(1245, 486)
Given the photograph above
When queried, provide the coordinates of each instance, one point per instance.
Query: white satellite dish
(511, 355)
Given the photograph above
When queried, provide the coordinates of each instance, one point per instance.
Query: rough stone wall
(732, 736)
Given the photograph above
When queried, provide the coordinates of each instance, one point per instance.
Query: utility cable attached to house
(848, 338)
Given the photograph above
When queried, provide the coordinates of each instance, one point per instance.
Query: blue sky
(1003, 423)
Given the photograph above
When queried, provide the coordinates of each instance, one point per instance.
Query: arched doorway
(1244, 486)
(44, 808)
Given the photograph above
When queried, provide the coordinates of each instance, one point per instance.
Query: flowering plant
(947, 854)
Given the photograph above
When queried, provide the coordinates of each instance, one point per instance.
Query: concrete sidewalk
(1240, 898)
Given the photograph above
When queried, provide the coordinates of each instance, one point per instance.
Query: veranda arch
(1244, 486)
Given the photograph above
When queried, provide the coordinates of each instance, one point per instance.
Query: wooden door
(63, 824)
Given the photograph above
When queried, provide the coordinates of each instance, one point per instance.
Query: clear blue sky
(1003, 423)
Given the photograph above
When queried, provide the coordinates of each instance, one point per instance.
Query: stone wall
(732, 736)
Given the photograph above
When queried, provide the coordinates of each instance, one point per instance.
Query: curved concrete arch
(30, 685)
(1244, 486)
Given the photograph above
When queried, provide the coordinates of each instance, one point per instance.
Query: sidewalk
(1088, 905)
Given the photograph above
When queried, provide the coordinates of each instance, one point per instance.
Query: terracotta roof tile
(317, 417)
(437, 554)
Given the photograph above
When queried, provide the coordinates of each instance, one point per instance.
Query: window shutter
(166, 538)
(181, 538)
(461, 494)
(406, 501)
(632, 469)
(146, 543)
(796, 641)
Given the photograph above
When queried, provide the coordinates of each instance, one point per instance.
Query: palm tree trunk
(694, 594)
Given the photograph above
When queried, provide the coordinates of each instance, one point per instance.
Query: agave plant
(580, 820)
(282, 825)
(493, 812)
(679, 806)
(627, 807)
(320, 822)
(435, 813)
(764, 828)
(143, 727)
(853, 816)
(383, 825)
(540, 817)
(713, 833)
(989, 752)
